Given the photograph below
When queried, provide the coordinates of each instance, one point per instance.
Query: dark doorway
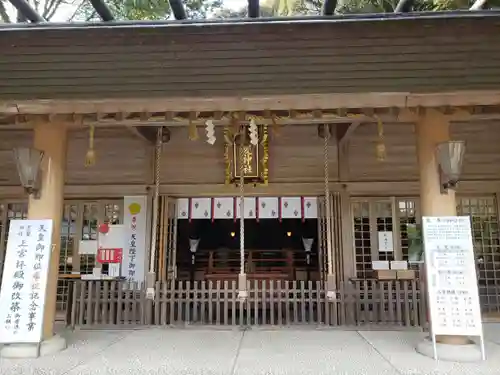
(273, 249)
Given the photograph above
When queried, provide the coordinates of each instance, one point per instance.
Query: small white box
(399, 265)
(114, 269)
(380, 265)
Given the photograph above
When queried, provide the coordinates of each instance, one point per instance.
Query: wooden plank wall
(192, 162)
(296, 155)
(121, 158)
(482, 153)
(239, 60)
(401, 157)
(482, 156)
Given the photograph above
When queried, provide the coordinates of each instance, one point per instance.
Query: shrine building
(271, 171)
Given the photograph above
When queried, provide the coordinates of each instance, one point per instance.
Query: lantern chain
(242, 201)
(326, 136)
(156, 197)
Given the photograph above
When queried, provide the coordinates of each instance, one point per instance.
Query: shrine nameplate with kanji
(451, 277)
(24, 282)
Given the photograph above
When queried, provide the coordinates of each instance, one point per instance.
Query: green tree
(146, 9)
(311, 7)
(225, 13)
(46, 8)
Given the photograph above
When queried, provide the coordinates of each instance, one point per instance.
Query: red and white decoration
(109, 255)
(255, 208)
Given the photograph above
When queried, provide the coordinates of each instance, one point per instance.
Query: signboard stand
(452, 285)
(24, 288)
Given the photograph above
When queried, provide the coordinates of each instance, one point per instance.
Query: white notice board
(24, 282)
(385, 242)
(451, 276)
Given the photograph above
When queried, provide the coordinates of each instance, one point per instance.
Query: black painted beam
(178, 9)
(102, 10)
(329, 7)
(253, 8)
(479, 5)
(25, 9)
(404, 6)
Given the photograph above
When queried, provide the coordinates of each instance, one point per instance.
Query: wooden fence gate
(386, 304)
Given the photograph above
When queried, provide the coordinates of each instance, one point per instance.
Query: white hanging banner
(291, 208)
(223, 208)
(135, 223)
(24, 282)
(451, 277)
(182, 208)
(385, 242)
(310, 208)
(249, 203)
(268, 208)
(201, 208)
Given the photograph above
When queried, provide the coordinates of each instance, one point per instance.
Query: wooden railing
(388, 304)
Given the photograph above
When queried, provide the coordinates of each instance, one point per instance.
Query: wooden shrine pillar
(431, 129)
(51, 138)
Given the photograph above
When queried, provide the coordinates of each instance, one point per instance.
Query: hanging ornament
(193, 131)
(210, 128)
(104, 228)
(265, 156)
(90, 157)
(380, 148)
(227, 161)
(253, 132)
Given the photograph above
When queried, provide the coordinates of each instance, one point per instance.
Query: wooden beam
(27, 11)
(178, 9)
(253, 8)
(356, 188)
(345, 132)
(329, 7)
(136, 131)
(479, 5)
(102, 10)
(404, 6)
(255, 103)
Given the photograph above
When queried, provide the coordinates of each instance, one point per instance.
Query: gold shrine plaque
(247, 158)
(250, 161)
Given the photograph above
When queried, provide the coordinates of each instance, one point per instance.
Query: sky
(65, 11)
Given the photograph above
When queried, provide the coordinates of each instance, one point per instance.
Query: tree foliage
(146, 9)
(46, 8)
(312, 7)
(196, 9)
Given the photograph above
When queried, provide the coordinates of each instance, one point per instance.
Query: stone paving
(195, 351)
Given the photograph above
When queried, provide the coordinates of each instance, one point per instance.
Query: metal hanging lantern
(450, 156)
(28, 162)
